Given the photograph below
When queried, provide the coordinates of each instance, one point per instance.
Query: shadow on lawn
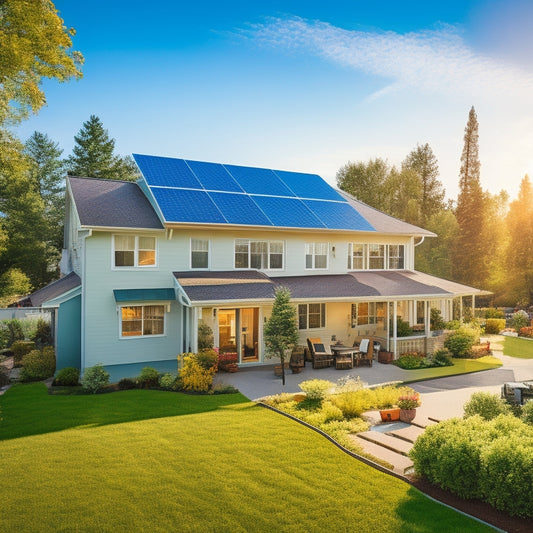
(30, 410)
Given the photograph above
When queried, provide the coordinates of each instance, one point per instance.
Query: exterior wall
(102, 340)
(68, 340)
(72, 257)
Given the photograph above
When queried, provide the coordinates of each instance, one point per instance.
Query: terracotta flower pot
(407, 415)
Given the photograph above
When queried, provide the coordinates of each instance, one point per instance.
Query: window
(396, 256)
(376, 256)
(311, 316)
(261, 255)
(316, 255)
(199, 253)
(367, 313)
(133, 251)
(356, 256)
(142, 320)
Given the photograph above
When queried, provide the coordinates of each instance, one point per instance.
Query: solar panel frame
(259, 181)
(214, 176)
(287, 212)
(338, 215)
(308, 186)
(239, 209)
(166, 172)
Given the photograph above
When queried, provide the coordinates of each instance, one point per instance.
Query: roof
(253, 285)
(231, 195)
(112, 204)
(50, 291)
(382, 222)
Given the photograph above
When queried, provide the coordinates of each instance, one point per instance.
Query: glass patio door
(238, 331)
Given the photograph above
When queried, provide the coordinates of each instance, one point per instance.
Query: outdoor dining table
(338, 349)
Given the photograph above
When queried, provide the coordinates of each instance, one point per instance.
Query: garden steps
(409, 434)
(401, 464)
(395, 444)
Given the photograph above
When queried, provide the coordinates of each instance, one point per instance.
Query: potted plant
(408, 404)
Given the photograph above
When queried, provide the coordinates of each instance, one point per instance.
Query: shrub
(67, 377)
(205, 336)
(526, 332)
(127, 384)
(352, 404)
(316, 389)
(409, 401)
(453, 324)
(20, 349)
(527, 412)
(4, 335)
(194, 376)
(491, 312)
(224, 388)
(403, 329)
(148, 378)
(461, 341)
(227, 361)
(442, 358)
(38, 365)
(94, 378)
(166, 381)
(207, 358)
(349, 383)
(436, 321)
(520, 320)
(43, 333)
(494, 325)
(486, 405)
(410, 360)
(16, 333)
(4, 376)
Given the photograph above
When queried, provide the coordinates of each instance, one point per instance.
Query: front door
(238, 331)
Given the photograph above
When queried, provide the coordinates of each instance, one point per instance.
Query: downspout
(84, 237)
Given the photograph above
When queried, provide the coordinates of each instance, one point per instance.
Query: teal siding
(68, 341)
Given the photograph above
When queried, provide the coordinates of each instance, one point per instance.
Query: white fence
(25, 313)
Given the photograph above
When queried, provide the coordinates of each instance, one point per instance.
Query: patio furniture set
(340, 356)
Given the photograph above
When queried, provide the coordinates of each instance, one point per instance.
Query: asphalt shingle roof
(50, 291)
(112, 204)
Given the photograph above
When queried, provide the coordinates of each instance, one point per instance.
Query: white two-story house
(191, 241)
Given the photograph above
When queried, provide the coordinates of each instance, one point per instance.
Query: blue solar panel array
(209, 193)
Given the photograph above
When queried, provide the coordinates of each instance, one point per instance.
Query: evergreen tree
(468, 251)
(365, 181)
(422, 160)
(520, 252)
(93, 155)
(47, 173)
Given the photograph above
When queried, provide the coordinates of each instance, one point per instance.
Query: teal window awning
(146, 295)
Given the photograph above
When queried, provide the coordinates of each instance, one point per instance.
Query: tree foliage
(34, 45)
(281, 330)
(94, 155)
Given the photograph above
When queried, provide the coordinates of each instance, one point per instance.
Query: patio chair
(366, 352)
(321, 358)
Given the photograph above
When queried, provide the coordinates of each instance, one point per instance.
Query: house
(144, 263)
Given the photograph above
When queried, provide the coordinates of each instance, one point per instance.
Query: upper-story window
(396, 256)
(376, 256)
(316, 255)
(134, 251)
(199, 253)
(261, 255)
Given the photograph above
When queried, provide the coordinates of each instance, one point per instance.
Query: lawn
(460, 366)
(161, 461)
(516, 347)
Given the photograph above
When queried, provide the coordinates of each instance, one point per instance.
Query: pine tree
(520, 251)
(422, 160)
(47, 173)
(468, 252)
(93, 155)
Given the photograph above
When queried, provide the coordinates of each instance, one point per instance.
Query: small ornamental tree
(281, 330)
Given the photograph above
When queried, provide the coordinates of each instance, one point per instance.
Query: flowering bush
(316, 388)
(409, 401)
(526, 332)
(194, 376)
(520, 320)
(227, 361)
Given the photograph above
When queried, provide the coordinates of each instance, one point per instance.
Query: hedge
(494, 325)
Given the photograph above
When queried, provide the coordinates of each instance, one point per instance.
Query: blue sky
(303, 85)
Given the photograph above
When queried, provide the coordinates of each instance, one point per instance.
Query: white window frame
(268, 254)
(383, 257)
(371, 315)
(351, 257)
(311, 251)
(322, 316)
(400, 257)
(143, 305)
(208, 254)
(135, 265)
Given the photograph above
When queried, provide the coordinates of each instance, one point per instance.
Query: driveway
(441, 398)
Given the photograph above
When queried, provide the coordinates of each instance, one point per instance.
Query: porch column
(461, 308)
(388, 327)
(473, 305)
(427, 317)
(394, 327)
(194, 329)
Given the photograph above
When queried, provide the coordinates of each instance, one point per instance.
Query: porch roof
(232, 286)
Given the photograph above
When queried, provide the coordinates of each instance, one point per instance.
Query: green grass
(516, 347)
(460, 366)
(154, 461)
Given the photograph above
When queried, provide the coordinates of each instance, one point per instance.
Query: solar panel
(308, 186)
(258, 181)
(337, 215)
(287, 212)
(166, 172)
(184, 205)
(214, 177)
(239, 209)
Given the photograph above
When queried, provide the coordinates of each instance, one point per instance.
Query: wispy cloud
(433, 61)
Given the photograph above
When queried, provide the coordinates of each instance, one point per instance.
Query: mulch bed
(479, 509)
